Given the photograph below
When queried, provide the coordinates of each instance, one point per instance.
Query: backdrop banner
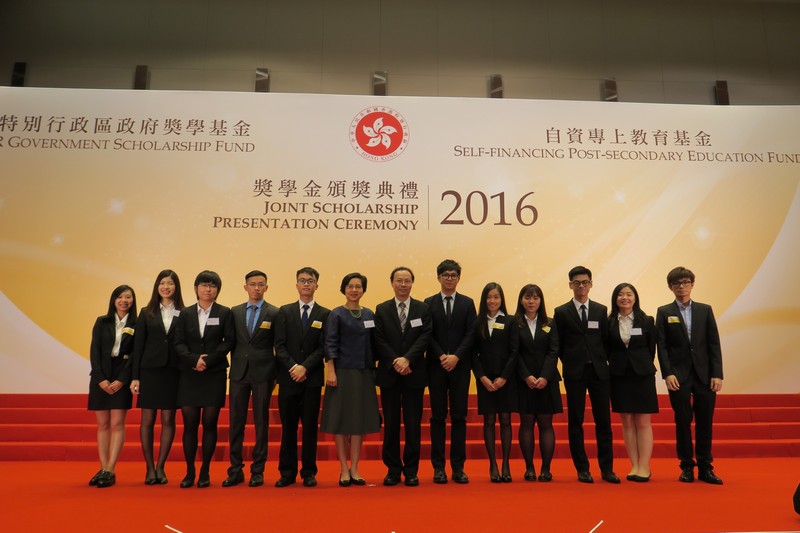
(101, 188)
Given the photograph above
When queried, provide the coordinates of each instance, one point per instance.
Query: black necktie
(584, 318)
(253, 316)
(448, 307)
(304, 318)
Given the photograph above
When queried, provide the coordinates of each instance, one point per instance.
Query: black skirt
(202, 389)
(351, 408)
(501, 401)
(546, 401)
(158, 388)
(100, 400)
(633, 393)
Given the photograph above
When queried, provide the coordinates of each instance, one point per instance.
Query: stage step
(58, 428)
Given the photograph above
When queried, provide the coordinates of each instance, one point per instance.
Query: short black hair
(346, 280)
(254, 273)
(398, 269)
(208, 276)
(446, 266)
(310, 271)
(679, 273)
(579, 271)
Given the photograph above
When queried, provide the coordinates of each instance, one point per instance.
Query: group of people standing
(176, 357)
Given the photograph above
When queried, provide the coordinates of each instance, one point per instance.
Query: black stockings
(191, 425)
(547, 439)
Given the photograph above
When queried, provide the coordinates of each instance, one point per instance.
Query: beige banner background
(83, 211)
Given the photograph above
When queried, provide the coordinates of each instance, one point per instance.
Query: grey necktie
(403, 316)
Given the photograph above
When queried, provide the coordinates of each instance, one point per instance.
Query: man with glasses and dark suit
(690, 357)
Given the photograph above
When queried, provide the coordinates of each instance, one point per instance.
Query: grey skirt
(351, 408)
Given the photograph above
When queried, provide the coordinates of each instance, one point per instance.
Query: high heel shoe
(150, 478)
(161, 477)
(505, 477)
(530, 475)
(204, 480)
(494, 475)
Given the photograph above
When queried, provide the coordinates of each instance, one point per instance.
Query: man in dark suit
(298, 345)
(252, 373)
(690, 357)
(402, 332)
(583, 328)
(449, 352)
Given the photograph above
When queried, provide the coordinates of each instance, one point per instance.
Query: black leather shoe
(687, 475)
(640, 479)
(530, 475)
(203, 480)
(311, 481)
(545, 477)
(187, 481)
(162, 480)
(284, 481)
(151, 478)
(460, 477)
(494, 475)
(109, 478)
(233, 479)
(256, 479)
(391, 480)
(96, 478)
(709, 477)
(610, 477)
(412, 481)
(585, 477)
(439, 476)
(357, 481)
(631, 477)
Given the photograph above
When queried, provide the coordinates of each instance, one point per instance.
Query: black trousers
(694, 400)
(599, 391)
(453, 388)
(240, 393)
(393, 399)
(298, 404)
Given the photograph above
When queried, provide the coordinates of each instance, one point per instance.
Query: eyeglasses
(207, 285)
(354, 287)
(449, 276)
(681, 283)
(581, 283)
(306, 281)
(254, 284)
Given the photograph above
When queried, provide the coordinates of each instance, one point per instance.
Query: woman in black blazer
(155, 371)
(109, 396)
(632, 337)
(203, 337)
(539, 392)
(494, 365)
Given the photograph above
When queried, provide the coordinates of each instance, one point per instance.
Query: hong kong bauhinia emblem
(379, 133)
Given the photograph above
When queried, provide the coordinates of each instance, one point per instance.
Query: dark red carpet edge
(54, 496)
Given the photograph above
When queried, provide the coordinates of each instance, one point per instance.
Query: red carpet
(54, 496)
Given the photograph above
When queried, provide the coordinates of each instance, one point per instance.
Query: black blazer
(391, 343)
(152, 344)
(641, 349)
(103, 336)
(453, 336)
(538, 356)
(254, 357)
(579, 344)
(677, 355)
(216, 340)
(296, 347)
(496, 355)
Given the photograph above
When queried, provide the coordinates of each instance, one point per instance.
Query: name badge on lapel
(546, 329)
(129, 331)
(369, 324)
(316, 324)
(212, 321)
(176, 312)
(636, 331)
(266, 325)
(673, 320)
(593, 324)
(498, 325)
(416, 322)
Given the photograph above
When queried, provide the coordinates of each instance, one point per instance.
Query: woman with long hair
(539, 393)
(494, 364)
(155, 371)
(632, 338)
(109, 395)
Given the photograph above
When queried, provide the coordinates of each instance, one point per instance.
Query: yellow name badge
(316, 324)
(498, 325)
(129, 331)
(266, 325)
(673, 320)
(546, 329)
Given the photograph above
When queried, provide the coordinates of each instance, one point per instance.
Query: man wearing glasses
(583, 328)
(252, 373)
(690, 357)
(449, 351)
(298, 345)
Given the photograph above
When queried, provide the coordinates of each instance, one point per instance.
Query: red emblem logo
(379, 133)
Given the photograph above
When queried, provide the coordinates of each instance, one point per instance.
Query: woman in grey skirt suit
(350, 406)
